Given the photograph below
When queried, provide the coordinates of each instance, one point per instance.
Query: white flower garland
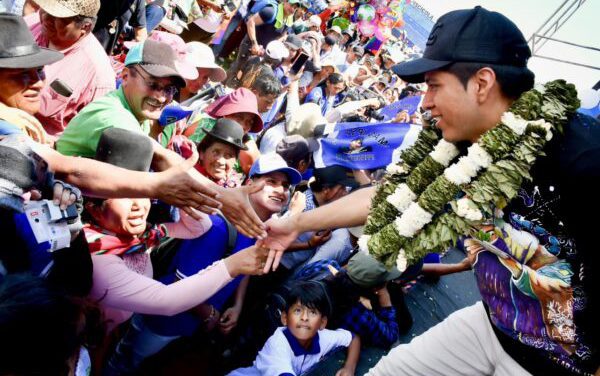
(467, 209)
(514, 122)
(402, 197)
(396, 169)
(444, 152)
(412, 220)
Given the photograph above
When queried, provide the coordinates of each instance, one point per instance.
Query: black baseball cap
(468, 35)
(333, 175)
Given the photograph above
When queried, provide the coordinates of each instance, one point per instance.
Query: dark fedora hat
(122, 148)
(18, 48)
(228, 131)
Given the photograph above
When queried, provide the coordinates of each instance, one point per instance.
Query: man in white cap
(84, 74)
(203, 58)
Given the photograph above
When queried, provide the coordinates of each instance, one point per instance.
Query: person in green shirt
(150, 80)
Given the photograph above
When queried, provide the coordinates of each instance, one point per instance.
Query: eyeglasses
(28, 77)
(169, 90)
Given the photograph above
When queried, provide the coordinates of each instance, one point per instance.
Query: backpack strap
(231, 236)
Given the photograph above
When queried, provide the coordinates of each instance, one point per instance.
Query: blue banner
(409, 104)
(417, 23)
(361, 145)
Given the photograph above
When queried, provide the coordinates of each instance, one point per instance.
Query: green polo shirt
(83, 132)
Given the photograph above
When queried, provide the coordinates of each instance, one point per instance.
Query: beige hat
(202, 56)
(305, 120)
(70, 8)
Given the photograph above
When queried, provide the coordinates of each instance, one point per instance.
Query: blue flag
(364, 145)
(409, 104)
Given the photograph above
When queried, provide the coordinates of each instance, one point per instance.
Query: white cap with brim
(202, 56)
(273, 162)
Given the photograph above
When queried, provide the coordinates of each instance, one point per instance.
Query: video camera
(45, 226)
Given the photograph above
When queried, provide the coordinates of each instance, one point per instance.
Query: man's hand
(64, 194)
(281, 233)
(319, 238)
(256, 49)
(229, 320)
(178, 186)
(237, 209)
(344, 372)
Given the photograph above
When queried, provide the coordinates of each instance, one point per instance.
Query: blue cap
(272, 162)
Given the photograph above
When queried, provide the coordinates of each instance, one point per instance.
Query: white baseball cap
(277, 50)
(202, 56)
(314, 20)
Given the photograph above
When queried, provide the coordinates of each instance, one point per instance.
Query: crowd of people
(158, 188)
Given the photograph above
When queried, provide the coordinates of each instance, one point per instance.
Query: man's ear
(125, 75)
(284, 318)
(323, 323)
(485, 79)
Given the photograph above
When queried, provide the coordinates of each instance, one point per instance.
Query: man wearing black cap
(534, 318)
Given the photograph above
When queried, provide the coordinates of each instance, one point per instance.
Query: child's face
(303, 322)
(123, 216)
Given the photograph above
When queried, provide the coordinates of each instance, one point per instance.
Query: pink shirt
(85, 68)
(120, 290)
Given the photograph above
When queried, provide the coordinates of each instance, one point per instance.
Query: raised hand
(281, 233)
(237, 209)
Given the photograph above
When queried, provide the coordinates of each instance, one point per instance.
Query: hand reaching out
(281, 232)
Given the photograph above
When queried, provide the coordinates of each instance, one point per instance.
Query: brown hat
(70, 8)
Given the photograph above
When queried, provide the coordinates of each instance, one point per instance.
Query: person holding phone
(329, 94)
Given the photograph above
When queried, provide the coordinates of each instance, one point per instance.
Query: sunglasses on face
(168, 90)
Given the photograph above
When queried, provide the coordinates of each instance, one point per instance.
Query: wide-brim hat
(70, 8)
(367, 272)
(238, 101)
(123, 148)
(305, 120)
(202, 56)
(156, 58)
(229, 132)
(18, 49)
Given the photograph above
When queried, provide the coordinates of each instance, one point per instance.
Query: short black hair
(335, 78)
(312, 294)
(513, 81)
(267, 84)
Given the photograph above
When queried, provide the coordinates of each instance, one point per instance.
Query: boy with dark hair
(303, 341)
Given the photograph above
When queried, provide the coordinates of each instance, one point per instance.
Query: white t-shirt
(283, 355)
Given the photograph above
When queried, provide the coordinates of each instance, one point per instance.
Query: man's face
(275, 194)
(20, 88)
(335, 89)
(303, 322)
(194, 86)
(147, 96)
(218, 160)
(61, 32)
(334, 193)
(455, 108)
(265, 102)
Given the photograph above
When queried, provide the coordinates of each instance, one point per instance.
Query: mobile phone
(299, 63)
(61, 88)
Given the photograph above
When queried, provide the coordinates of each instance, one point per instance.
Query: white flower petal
(401, 262)
(479, 156)
(363, 243)
(514, 122)
(396, 168)
(412, 220)
(402, 197)
(444, 152)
